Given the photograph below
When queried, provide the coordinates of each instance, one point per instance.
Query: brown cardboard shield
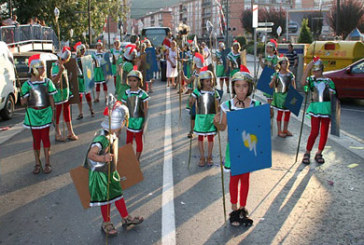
(128, 167)
(72, 73)
(335, 115)
(49, 64)
(79, 177)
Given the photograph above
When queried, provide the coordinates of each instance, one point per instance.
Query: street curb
(7, 135)
(346, 140)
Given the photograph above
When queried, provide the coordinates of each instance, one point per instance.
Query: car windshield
(21, 61)
(358, 68)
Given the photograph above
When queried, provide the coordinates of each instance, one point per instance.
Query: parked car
(349, 81)
(21, 64)
(292, 26)
(8, 90)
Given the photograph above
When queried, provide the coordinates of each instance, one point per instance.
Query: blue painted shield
(88, 72)
(293, 101)
(151, 65)
(249, 139)
(106, 66)
(264, 80)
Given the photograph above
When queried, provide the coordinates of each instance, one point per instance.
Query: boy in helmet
(37, 95)
(124, 68)
(100, 160)
(321, 89)
(99, 74)
(136, 99)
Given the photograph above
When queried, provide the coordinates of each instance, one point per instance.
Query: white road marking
(168, 216)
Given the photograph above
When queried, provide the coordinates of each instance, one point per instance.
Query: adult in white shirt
(207, 56)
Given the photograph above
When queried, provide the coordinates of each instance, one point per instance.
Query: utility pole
(89, 22)
(337, 17)
(227, 22)
(10, 8)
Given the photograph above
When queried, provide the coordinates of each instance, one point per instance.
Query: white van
(8, 90)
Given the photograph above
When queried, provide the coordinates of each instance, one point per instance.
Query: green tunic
(320, 109)
(118, 59)
(98, 174)
(220, 68)
(204, 123)
(63, 94)
(226, 107)
(98, 72)
(135, 123)
(279, 98)
(41, 118)
(121, 85)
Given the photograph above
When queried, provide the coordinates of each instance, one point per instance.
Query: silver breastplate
(103, 166)
(206, 104)
(135, 106)
(320, 92)
(282, 83)
(38, 96)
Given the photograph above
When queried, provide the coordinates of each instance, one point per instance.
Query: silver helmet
(118, 114)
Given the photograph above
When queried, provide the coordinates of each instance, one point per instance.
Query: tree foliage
(73, 14)
(305, 33)
(277, 16)
(351, 12)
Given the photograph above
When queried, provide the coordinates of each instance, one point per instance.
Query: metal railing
(13, 35)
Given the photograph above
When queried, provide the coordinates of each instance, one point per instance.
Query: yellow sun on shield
(250, 142)
(88, 73)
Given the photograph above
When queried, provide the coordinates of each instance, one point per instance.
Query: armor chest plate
(135, 105)
(38, 96)
(320, 92)
(282, 83)
(206, 104)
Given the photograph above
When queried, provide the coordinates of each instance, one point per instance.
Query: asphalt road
(289, 203)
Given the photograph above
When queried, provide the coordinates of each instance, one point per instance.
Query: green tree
(73, 14)
(305, 33)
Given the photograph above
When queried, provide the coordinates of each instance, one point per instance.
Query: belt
(39, 108)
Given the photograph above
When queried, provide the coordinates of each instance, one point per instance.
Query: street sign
(266, 24)
(264, 29)
(255, 16)
(279, 30)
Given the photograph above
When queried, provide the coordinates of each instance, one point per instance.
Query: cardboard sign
(264, 80)
(79, 177)
(72, 73)
(293, 101)
(128, 167)
(249, 140)
(88, 72)
(335, 115)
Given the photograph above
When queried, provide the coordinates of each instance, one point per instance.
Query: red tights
(138, 139)
(41, 135)
(88, 97)
(120, 206)
(66, 112)
(315, 128)
(98, 85)
(244, 188)
(287, 115)
(210, 138)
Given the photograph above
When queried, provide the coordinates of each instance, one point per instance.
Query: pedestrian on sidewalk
(61, 98)
(242, 88)
(136, 99)
(321, 89)
(98, 72)
(207, 99)
(37, 95)
(172, 65)
(281, 82)
(293, 59)
(105, 189)
(80, 52)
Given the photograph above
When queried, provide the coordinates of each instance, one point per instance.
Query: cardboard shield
(128, 167)
(151, 63)
(72, 72)
(79, 177)
(293, 101)
(88, 72)
(335, 115)
(264, 80)
(249, 140)
(106, 66)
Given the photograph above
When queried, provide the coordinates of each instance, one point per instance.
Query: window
(358, 68)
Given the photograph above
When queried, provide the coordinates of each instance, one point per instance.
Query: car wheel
(8, 111)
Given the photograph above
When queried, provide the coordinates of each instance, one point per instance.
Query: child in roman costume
(234, 60)
(98, 72)
(207, 100)
(100, 159)
(80, 52)
(221, 67)
(125, 67)
(321, 89)
(242, 88)
(61, 98)
(37, 95)
(281, 81)
(136, 99)
(117, 54)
